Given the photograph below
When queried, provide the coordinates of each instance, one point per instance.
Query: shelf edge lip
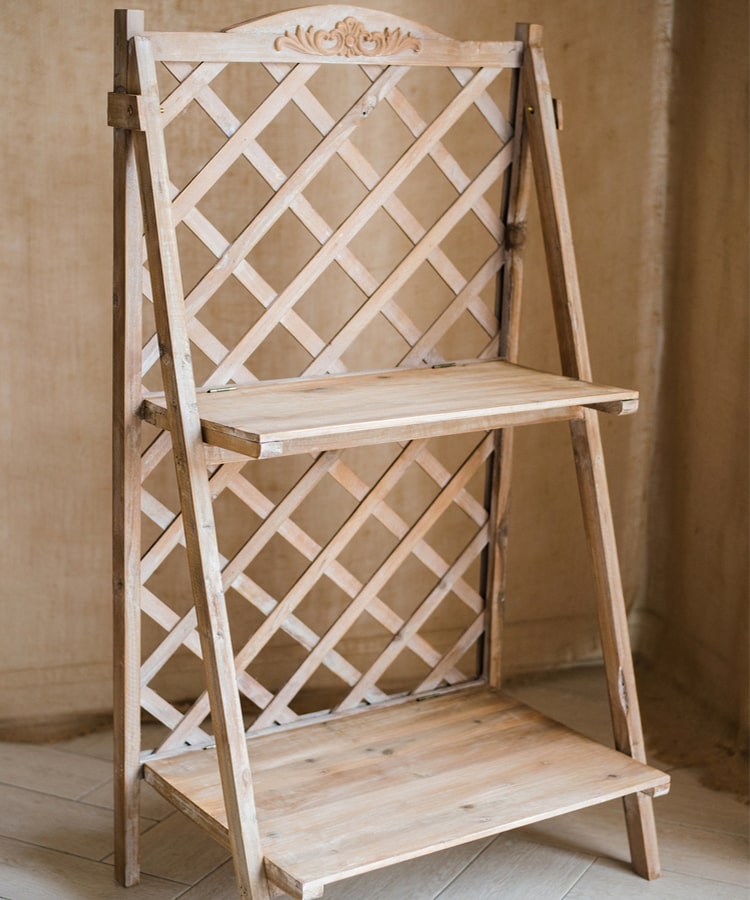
(654, 782)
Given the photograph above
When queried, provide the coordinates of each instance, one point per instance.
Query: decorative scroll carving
(349, 38)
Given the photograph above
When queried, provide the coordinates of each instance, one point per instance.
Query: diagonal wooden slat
(408, 266)
(234, 147)
(486, 105)
(172, 533)
(347, 618)
(398, 527)
(202, 93)
(402, 640)
(446, 162)
(182, 630)
(369, 176)
(310, 576)
(356, 220)
(194, 80)
(423, 349)
(462, 646)
(351, 585)
(294, 185)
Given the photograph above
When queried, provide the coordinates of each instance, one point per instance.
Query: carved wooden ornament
(349, 38)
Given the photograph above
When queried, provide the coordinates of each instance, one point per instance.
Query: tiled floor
(56, 835)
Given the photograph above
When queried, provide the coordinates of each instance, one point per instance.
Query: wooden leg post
(126, 480)
(613, 626)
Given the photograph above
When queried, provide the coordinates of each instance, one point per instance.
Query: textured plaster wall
(698, 573)
(610, 63)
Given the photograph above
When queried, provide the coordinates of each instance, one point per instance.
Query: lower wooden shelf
(343, 795)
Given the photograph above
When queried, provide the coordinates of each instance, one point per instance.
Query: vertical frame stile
(510, 285)
(193, 484)
(126, 473)
(587, 445)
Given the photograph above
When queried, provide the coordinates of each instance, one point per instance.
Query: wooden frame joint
(124, 111)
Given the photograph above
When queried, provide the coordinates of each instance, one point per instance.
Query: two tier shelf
(346, 364)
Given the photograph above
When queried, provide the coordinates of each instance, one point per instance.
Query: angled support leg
(513, 213)
(613, 627)
(126, 476)
(192, 479)
(586, 437)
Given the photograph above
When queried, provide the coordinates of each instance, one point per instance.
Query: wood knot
(515, 235)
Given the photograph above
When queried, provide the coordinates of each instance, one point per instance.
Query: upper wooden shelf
(275, 418)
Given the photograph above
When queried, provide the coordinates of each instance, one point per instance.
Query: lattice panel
(370, 240)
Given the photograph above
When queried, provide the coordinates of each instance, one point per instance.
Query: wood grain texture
(276, 38)
(339, 411)
(356, 792)
(465, 769)
(192, 479)
(126, 459)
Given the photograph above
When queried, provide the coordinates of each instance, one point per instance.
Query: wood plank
(346, 410)
(126, 469)
(553, 207)
(286, 37)
(396, 782)
(510, 280)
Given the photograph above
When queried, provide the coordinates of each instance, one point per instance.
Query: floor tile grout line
(665, 870)
(76, 800)
(677, 824)
(213, 871)
(31, 790)
(468, 865)
(82, 797)
(85, 859)
(582, 875)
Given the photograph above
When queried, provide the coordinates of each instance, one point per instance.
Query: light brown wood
(195, 496)
(587, 445)
(346, 410)
(126, 440)
(553, 208)
(413, 778)
(282, 38)
(514, 215)
(469, 748)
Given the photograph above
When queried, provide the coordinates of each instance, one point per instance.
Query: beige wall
(698, 585)
(610, 63)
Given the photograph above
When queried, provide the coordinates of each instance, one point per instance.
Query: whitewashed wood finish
(350, 794)
(266, 39)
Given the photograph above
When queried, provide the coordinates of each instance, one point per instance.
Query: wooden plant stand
(436, 755)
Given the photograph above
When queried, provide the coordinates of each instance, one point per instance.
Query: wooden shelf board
(272, 418)
(348, 794)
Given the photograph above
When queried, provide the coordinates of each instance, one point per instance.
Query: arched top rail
(333, 34)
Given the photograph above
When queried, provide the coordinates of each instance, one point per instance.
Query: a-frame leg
(513, 213)
(194, 490)
(541, 125)
(126, 476)
(613, 628)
